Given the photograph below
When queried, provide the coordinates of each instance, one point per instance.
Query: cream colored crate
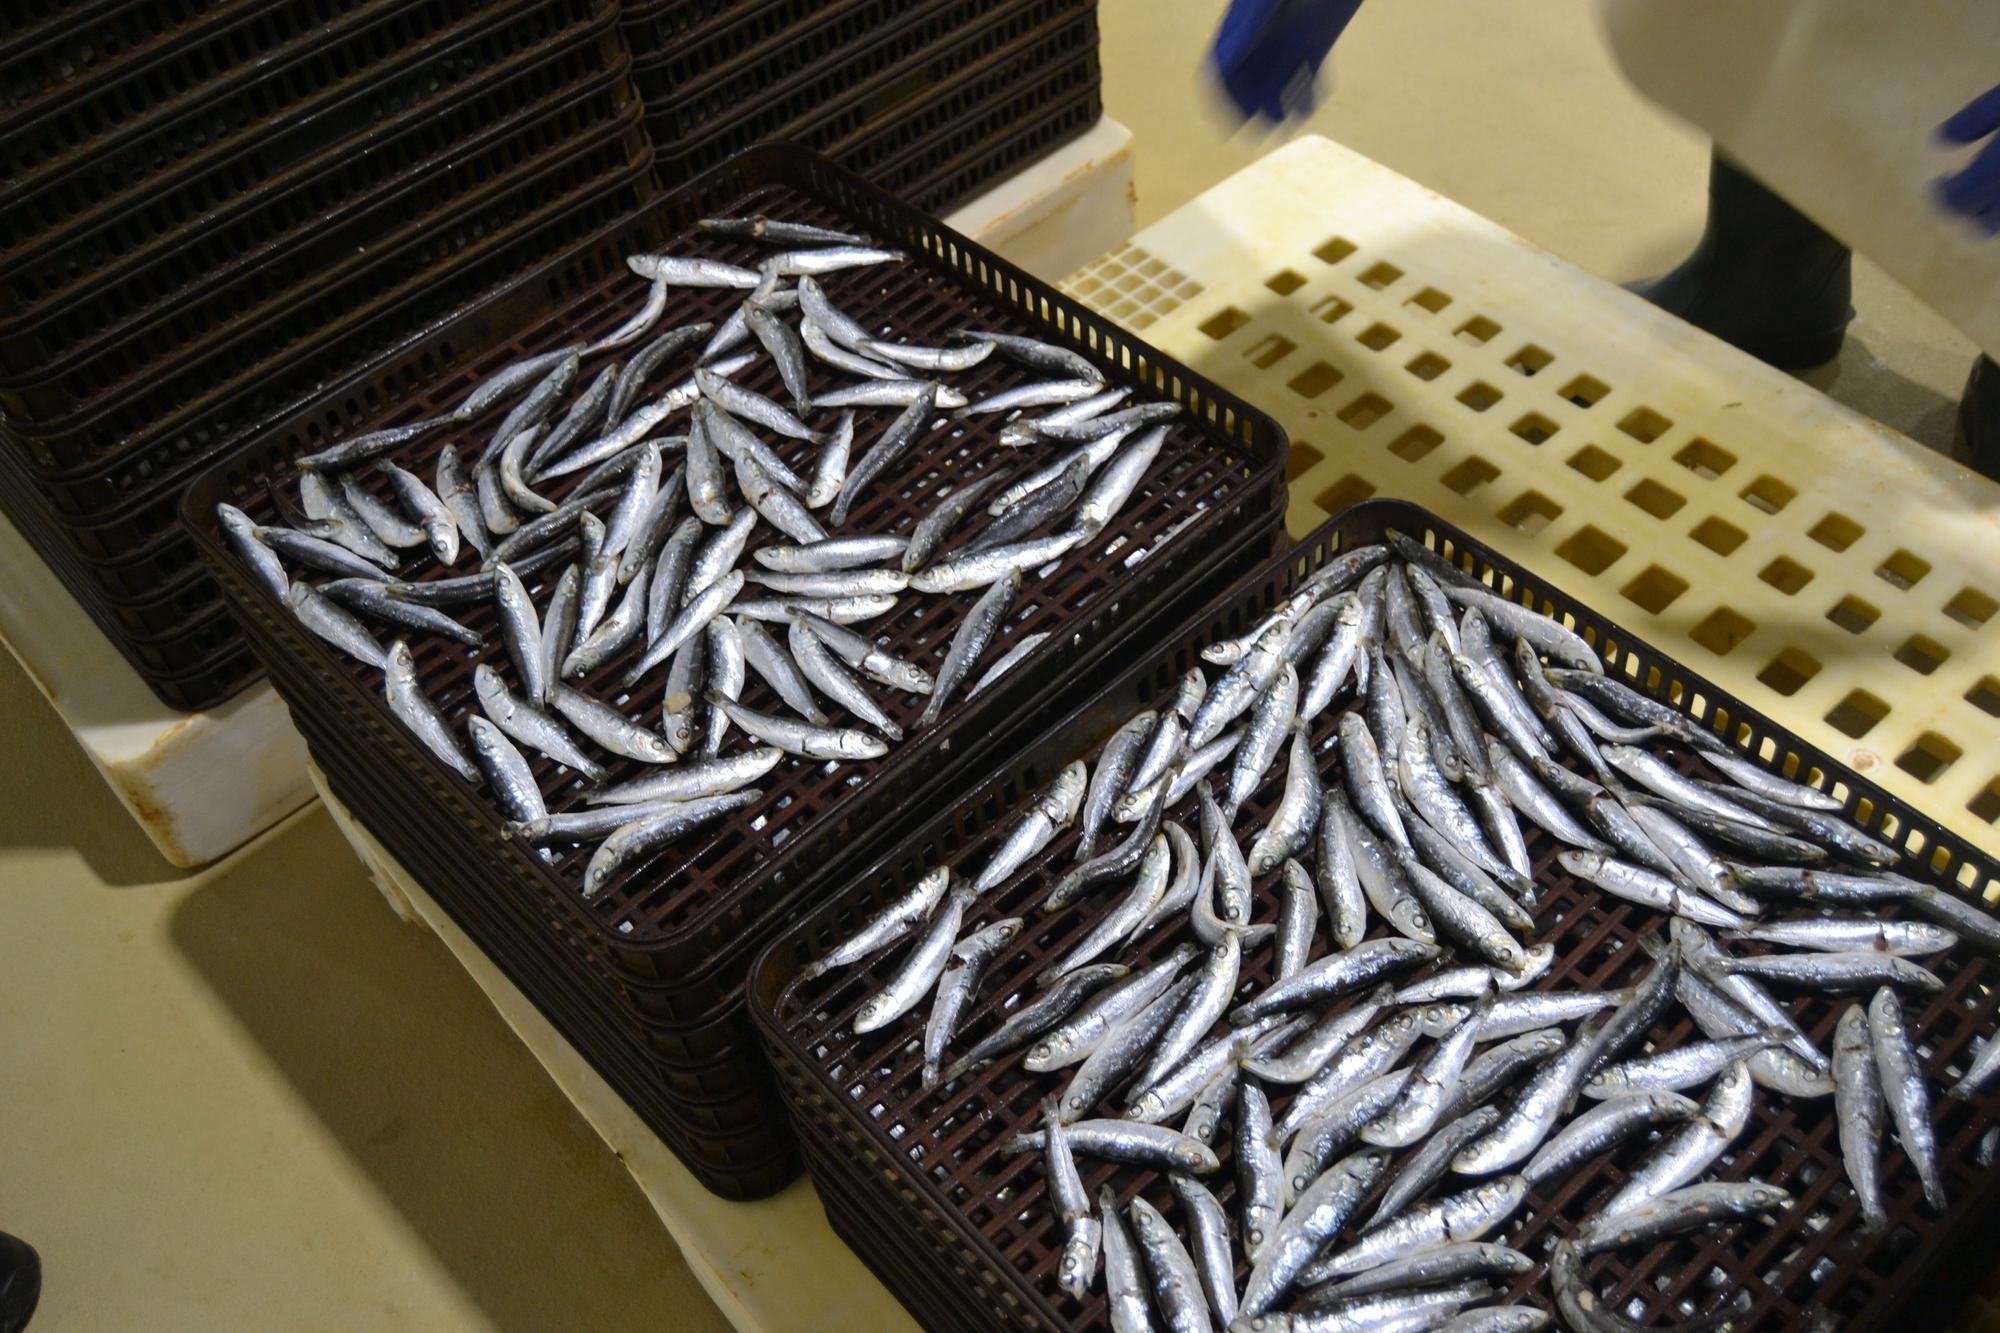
(1830, 573)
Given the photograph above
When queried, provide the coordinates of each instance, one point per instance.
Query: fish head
(1078, 1264)
(871, 1015)
(1195, 1156)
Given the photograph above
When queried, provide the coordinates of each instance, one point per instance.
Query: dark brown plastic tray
(921, 1175)
(326, 206)
(843, 91)
(947, 174)
(685, 921)
(44, 51)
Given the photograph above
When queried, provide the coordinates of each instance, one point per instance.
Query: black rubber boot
(20, 1283)
(1764, 278)
(1979, 417)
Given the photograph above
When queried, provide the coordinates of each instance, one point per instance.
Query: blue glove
(1975, 189)
(1267, 52)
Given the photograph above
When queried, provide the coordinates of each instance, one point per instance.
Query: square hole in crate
(1269, 350)
(1584, 391)
(1334, 250)
(1415, 442)
(1971, 608)
(1718, 536)
(1986, 805)
(1853, 615)
(1836, 532)
(1381, 275)
(1366, 410)
(1224, 322)
(1788, 672)
(1530, 360)
(1466, 477)
(1786, 575)
(1427, 366)
(1429, 299)
(1530, 512)
(1928, 756)
(1593, 462)
(1857, 714)
(1479, 395)
(1705, 458)
(1314, 380)
(1645, 425)
(1922, 655)
(1478, 331)
(1903, 570)
(1768, 494)
(1534, 428)
(1285, 281)
(1722, 629)
(1591, 550)
(1985, 695)
(1330, 308)
(1655, 588)
(1350, 489)
(1303, 458)
(1657, 500)
(1378, 336)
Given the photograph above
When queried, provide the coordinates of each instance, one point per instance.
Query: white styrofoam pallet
(769, 1266)
(1831, 573)
(201, 784)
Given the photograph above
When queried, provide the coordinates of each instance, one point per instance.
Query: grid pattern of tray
(928, 1168)
(1819, 567)
(663, 949)
(216, 211)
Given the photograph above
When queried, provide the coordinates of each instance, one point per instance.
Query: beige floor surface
(251, 1099)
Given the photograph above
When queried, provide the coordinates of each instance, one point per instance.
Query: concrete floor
(250, 1098)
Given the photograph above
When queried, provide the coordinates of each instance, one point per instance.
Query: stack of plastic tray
(930, 99)
(212, 210)
(647, 978)
(962, 1231)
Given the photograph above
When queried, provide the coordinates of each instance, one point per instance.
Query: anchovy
(1441, 855)
(496, 512)
(1051, 811)
(1380, 874)
(1837, 971)
(787, 353)
(832, 679)
(1214, 1256)
(948, 513)
(1123, 920)
(768, 658)
(415, 711)
(1416, 1112)
(533, 409)
(1782, 1070)
(773, 231)
(253, 551)
(1177, 1091)
(1108, 780)
(1297, 919)
(829, 260)
(919, 970)
(1836, 833)
(896, 392)
(737, 442)
(1650, 772)
(1323, 1209)
(1361, 766)
(693, 618)
(1153, 1146)
(1361, 1061)
(1904, 1090)
(1979, 1073)
(1678, 1211)
(1016, 434)
(614, 633)
(1124, 1280)
(1093, 456)
(1528, 1123)
(1039, 1015)
(1635, 884)
(894, 441)
(331, 623)
(667, 591)
(525, 723)
(329, 508)
(375, 599)
(833, 554)
(934, 359)
(956, 573)
(1494, 1069)
(1603, 1128)
(1240, 686)
(1469, 1215)
(1430, 1163)
(1204, 1117)
(1426, 1268)
(1318, 1043)
(862, 653)
(655, 526)
(360, 448)
(957, 986)
(1755, 778)
(1037, 354)
(1736, 835)
(983, 624)
(1549, 636)
(1035, 510)
(610, 728)
(840, 610)
(1215, 985)
(1859, 1111)
(1113, 486)
(319, 553)
(1686, 1066)
(644, 362)
(1185, 883)
(896, 919)
(648, 832)
(507, 772)
(801, 738)
(559, 622)
(1077, 1268)
(1690, 1150)
(737, 401)
(1089, 428)
(1264, 736)
(1080, 1034)
(712, 776)
(822, 345)
(687, 680)
(683, 272)
(1321, 1136)
(1462, 919)
(587, 826)
(830, 472)
(1260, 1184)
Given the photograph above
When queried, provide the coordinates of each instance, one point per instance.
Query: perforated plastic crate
(910, 1173)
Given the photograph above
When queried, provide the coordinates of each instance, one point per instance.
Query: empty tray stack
(214, 211)
(933, 100)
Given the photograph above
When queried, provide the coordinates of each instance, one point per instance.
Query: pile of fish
(1410, 1071)
(632, 509)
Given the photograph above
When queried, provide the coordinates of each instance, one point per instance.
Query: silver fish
(331, 623)
(507, 772)
(919, 971)
(713, 776)
(1683, 1155)
(1381, 875)
(1904, 1090)
(523, 722)
(1529, 1121)
(1113, 487)
(375, 599)
(1979, 1073)
(1177, 1091)
(801, 738)
(1216, 984)
(1638, 885)
(773, 231)
(610, 728)
(359, 448)
(1040, 355)
(1603, 1128)
(1318, 1043)
(894, 441)
(1837, 971)
(839, 610)
(708, 492)
(1363, 1060)
(726, 674)
(768, 658)
(832, 679)
(1080, 1034)
(703, 607)
(956, 573)
(830, 472)
(508, 378)
(1119, 924)
(1549, 636)
(1859, 1111)
(415, 711)
(822, 345)
(1462, 919)
(1650, 772)
(1108, 780)
(1430, 1163)
(1678, 1211)
(625, 389)
(1091, 457)
(677, 271)
(1686, 1066)
(891, 393)
(1038, 509)
(1332, 1129)
(648, 832)
(787, 353)
(1240, 686)
(982, 625)
(1446, 1263)
(1466, 1216)
(828, 260)
(319, 553)
(738, 443)
(957, 986)
(1124, 1279)
(614, 633)
(1263, 737)
(737, 401)
(1323, 1209)
(1421, 1104)
(1039, 1015)
(329, 508)
(1214, 1256)
(1297, 918)
(1125, 1141)
(1755, 778)
(1260, 1184)
(496, 512)
(934, 359)
(1177, 1288)
(865, 656)
(264, 564)
(1076, 1271)
(944, 517)
(1040, 394)
(897, 919)
(1367, 786)
(832, 555)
